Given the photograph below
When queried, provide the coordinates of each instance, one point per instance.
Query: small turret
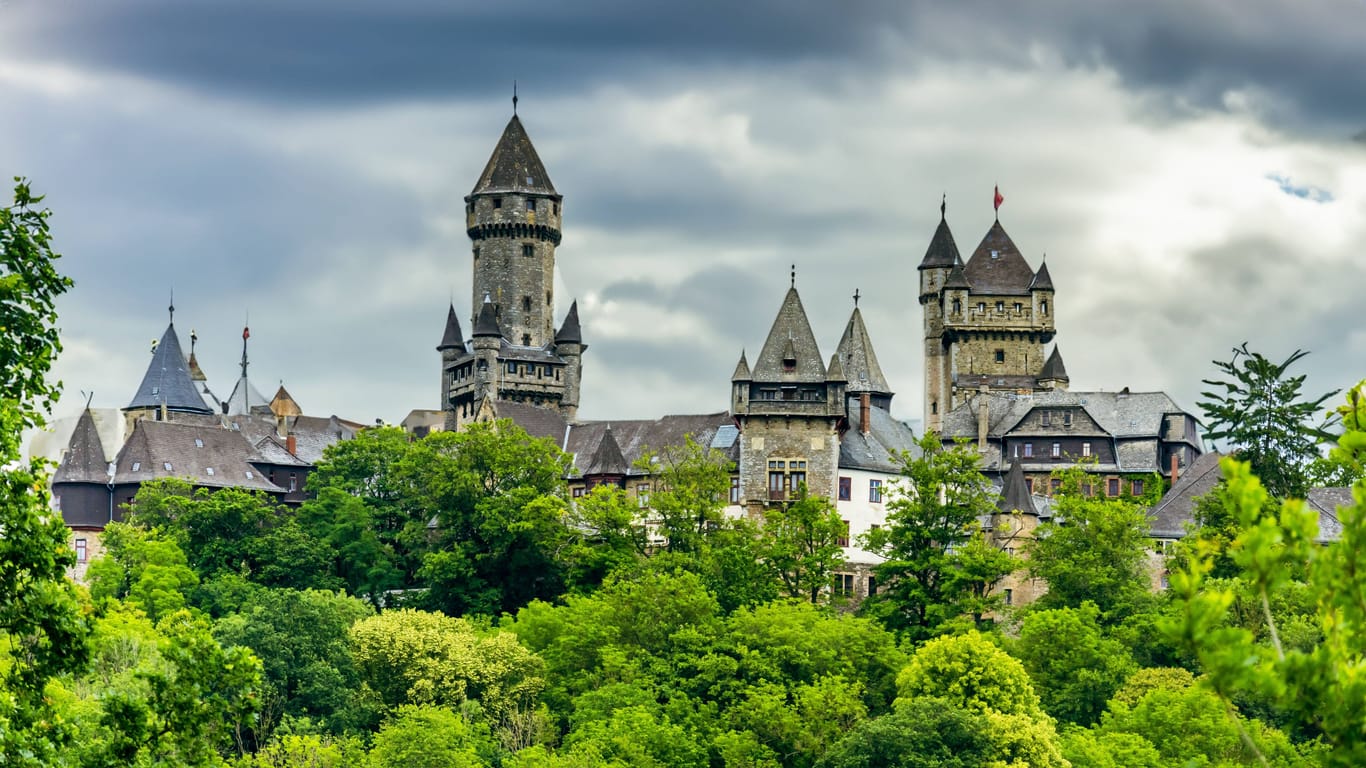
(1054, 373)
(570, 347)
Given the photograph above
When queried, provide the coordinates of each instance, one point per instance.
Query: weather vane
(856, 297)
(514, 97)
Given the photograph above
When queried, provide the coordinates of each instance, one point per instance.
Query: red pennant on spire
(999, 199)
(246, 333)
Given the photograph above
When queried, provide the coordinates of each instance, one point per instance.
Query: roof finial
(794, 275)
(944, 206)
(514, 98)
(171, 308)
(856, 297)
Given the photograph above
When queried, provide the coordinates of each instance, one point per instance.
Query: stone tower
(512, 218)
(986, 322)
(790, 410)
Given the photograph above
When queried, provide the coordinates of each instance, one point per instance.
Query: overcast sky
(1195, 172)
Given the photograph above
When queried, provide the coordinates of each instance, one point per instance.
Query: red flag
(246, 333)
(999, 199)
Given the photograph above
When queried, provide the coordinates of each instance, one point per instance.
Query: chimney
(291, 444)
(1176, 468)
(982, 419)
(164, 415)
(865, 405)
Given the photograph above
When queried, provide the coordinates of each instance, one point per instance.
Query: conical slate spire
(84, 461)
(453, 338)
(957, 278)
(855, 353)
(835, 371)
(608, 458)
(790, 353)
(741, 369)
(514, 166)
(486, 324)
(569, 332)
(997, 267)
(1015, 496)
(1041, 281)
(167, 381)
(943, 252)
(1053, 368)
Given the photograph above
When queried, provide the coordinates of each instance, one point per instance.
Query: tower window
(1000, 306)
(1043, 307)
(476, 253)
(530, 205)
(528, 249)
(934, 407)
(497, 203)
(957, 306)
(526, 303)
(526, 339)
(1000, 355)
(981, 306)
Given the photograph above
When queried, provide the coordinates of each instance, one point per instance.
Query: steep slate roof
(880, 449)
(569, 332)
(1325, 501)
(1053, 368)
(244, 397)
(168, 380)
(84, 461)
(537, 421)
(741, 369)
(1168, 517)
(514, 165)
(453, 338)
(636, 437)
(943, 252)
(312, 434)
(1041, 281)
(607, 459)
(155, 444)
(1007, 273)
(856, 355)
(486, 324)
(790, 336)
(957, 278)
(1015, 496)
(269, 450)
(1121, 414)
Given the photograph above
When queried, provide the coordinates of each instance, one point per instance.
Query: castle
(794, 417)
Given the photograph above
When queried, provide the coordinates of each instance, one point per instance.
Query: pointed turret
(1041, 281)
(943, 251)
(958, 279)
(569, 332)
(283, 405)
(1015, 496)
(84, 461)
(997, 267)
(486, 324)
(790, 353)
(514, 165)
(835, 371)
(741, 369)
(167, 381)
(861, 368)
(453, 339)
(1054, 373)
(608, 460)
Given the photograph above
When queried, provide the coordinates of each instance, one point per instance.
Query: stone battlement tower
(986, 322)
(512, 218)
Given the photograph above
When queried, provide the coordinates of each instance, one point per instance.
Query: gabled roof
(1041, 281)
(636, 437)
(607, 459)
(943, 251)
(1169, 516)
(741, 369)
(284, 405)
(312, 434)
(569, 332)
(486, 324)
(790, 338)
(879, 450)
(269, 450)
(84, 461)
(835, 371)
(167, 380)
(1015, 496)
(1053, 368)
(514, 165)
(162, 449)
(855, 353)
(1005, 273)
(453, 338)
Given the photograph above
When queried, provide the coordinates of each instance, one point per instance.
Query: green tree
(691, 483)
(969, 672)
(932, 513)
(801, 543)
(430, 737)
(301, 639)
(606, 534)
(1260, 410)
(143, 569)
(924, 733)
(1095, 549)
(42, 632)
(1074, 679)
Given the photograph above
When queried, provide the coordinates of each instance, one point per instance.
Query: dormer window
(137, 465)
(1000, 306)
